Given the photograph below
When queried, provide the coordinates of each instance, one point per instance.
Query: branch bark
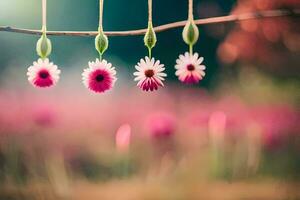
(161, 28)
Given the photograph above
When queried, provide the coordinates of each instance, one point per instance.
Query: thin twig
(212, 20)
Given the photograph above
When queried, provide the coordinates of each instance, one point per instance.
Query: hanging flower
(189, 69)
(149, 74)
(43, 73)
(99, 76)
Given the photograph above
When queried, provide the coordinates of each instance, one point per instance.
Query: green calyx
(101, 42)
(43, 46)
(190, 33)
(150, 37)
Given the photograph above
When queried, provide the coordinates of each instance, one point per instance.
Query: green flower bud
(43, 46)
(150, 37)
(101, 42)
(190, 33)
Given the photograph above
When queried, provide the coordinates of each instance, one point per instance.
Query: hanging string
(191, 19)
(149, 22)
(191, 16)
(101, 2)
(149, 11)
(44, 16)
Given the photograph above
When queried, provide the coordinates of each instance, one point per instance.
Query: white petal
(137, 78)
(152, 62)
(160, 69)
(40, 61)
(162, 74)
(201, 67)
(138, 68)
(195, 56)
(200, 60)
(137, 74)
(147, 60)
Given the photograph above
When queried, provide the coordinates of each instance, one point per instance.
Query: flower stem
(150, 52)
(191, 49)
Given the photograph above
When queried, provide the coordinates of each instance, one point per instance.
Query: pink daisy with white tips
(43, 73)
(100, 76)
(149, 74)
(189, 69)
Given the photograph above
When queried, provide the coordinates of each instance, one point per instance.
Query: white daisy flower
(189, 69)
(43, 73)
(149, 74)
(99, 76)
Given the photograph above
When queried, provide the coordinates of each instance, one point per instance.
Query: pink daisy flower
(43, 73)
(149, 74)
(189, 69)
(99, 76)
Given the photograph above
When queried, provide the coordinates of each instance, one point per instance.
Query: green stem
(150, 52)
(191, 49)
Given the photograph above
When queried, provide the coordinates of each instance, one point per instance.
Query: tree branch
(212, 20)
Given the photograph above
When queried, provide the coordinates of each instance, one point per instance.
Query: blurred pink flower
(194, 110)
(123, 137)
(14, 116)
(237, 114)
(276, 122)
(43, 115)
(161, 124)
(217, 123)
